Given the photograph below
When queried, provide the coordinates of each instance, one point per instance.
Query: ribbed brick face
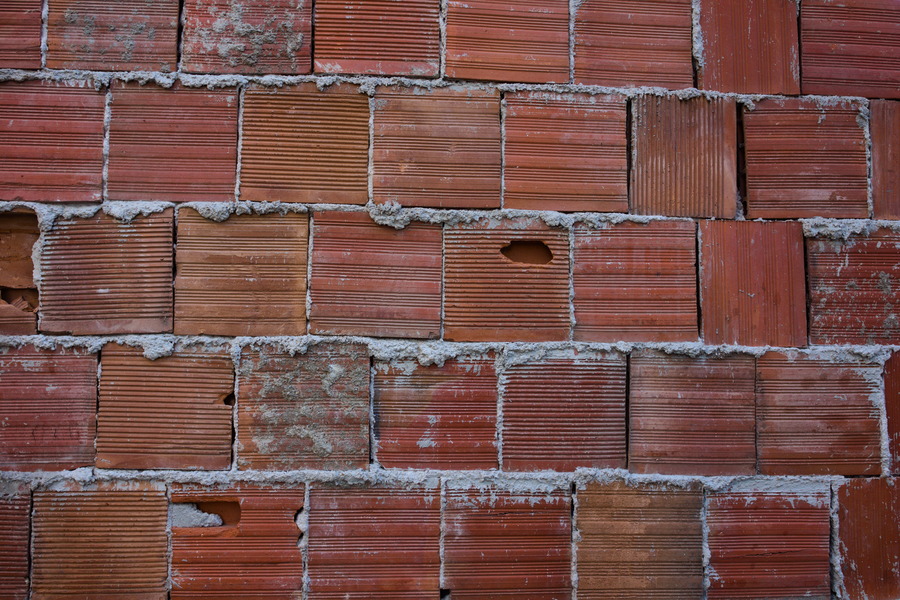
(885, 132)
(15, 525)
(892, 409)
(20, 34)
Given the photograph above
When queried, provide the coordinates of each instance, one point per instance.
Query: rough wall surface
(445, 299)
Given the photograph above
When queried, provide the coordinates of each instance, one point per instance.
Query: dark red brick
(437, 417)
(15, 541)
(20, 34)
(892, 408)
(18, 291)
(884, 125)
(306, 410)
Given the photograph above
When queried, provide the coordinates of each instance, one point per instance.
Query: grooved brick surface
(437, 417)
(253, 552)
(125, 35)
(635, 282)
(500, 544)
(805, 160)
(768, 545)
(692, 416)
(750, 46)
(300, 144)
(48, 401)
(173, 145)
(380, 37)
(752, 284)
(508, 40)
(247, 36)
(817, 417)
(438, 148)
(885, 130)
(52, 147)
(641, 43)
(684, 156)
(375, 542)
(505, 281)
(892, 409)
(243, 276)
(20, 34)
(851, 48)
(565, 152)
(853, 289)
(15, 530)
(307, 410)
(170, 413)
(565, 413)
(369, 279)
(80, 534)
(100, 276)
(639, 542)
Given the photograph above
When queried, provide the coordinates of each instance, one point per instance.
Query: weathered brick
(636, 282)
(892, 408)
(18, 291)
(52, 147)
(506, 281)
(508, 40)
(20, 34)
(125, 35)
(376, 542)
(562, 413)
(565, 152)
(378, 37)
(48, 402)
(369, 279)
(437, 148)
(307, 410)
(884, 126)
(805, 160)
(15, 541)
(692, 416)
(243, 276)
(437, 417)
(252, 37)
(175, 145)
(170, 413)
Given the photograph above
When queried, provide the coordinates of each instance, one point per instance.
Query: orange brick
(15, 532)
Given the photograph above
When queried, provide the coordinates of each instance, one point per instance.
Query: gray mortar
(697, 40)
(844, 229)
(836, 553)
(863, 119)
(186, 514)
(45, 25)
(242, 90)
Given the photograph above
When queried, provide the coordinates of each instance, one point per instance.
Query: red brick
(817, 416)
(752, 283)
(693, 416)
(243, 276)
(869, 538)
(253, 552)
(368, 279)
(853, 289)
(302, 144)
(99, 276)
(20, 34)
(437, 417)
(124, 35)
(565, 152)
(376, 543)
(805, 160)
(892, 408)
(641, 43)
(750, 47)
(18, 292)
(104, 542)
(684, 157)
(639, 542)
(304, 411)
(15, 530)
(48, 401)
(170, 413)
(508, 40)
(636, 282)
(769, 545)
(850, 48)
(500, 544)
(563, 413)
(252, 37)
(174, 145)
(885, 131)
(437, 148)
(489, 296)
(52, 147)
(380, 37)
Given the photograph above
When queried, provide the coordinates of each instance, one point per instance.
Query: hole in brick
(228, 399)
(531, 252)
(25, 299)
(445, 595)
(18, 234)
(205, 514)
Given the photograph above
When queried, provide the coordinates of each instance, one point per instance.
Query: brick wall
(444, 299)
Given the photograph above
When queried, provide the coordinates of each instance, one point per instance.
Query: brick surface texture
(450, 299)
